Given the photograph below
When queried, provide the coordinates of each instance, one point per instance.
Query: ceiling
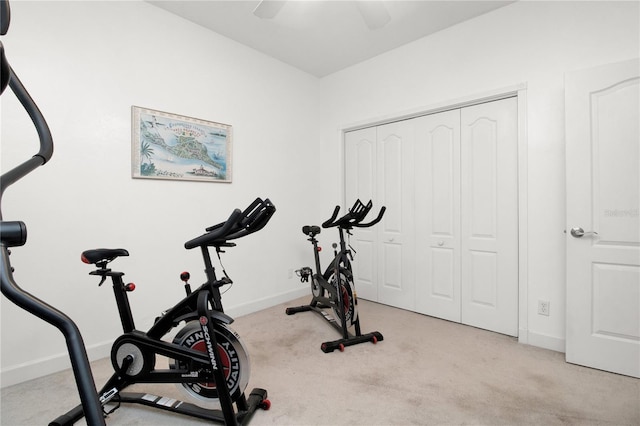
(322, 37)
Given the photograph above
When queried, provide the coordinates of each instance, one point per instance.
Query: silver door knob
(578, 232)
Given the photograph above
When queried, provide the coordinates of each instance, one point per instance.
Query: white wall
(532, 44)
(86, 64)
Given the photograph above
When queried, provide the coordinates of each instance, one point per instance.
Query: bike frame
(339, 265)
(203, 305)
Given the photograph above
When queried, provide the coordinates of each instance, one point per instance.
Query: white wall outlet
(543, 307)
(290, 275)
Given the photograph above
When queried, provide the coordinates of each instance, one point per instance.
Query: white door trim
(474, 99)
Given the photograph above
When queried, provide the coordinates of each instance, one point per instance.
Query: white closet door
(489, 201)
(437, 215)
(360, 182)
(395, 177)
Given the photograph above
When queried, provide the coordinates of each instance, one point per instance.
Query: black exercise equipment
(207, 375)
(337, 280)
(14, 234)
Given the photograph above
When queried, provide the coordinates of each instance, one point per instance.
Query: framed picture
(171, 146)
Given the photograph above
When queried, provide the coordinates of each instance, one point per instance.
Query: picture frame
(176, 147)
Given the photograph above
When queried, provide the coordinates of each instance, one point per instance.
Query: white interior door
(603, 190)
(360, 182)
(489, 228)
(437, 215)
(395, 180)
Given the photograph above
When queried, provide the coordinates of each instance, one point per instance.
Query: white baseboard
(45, 366)
(544, 341)
(267, 302)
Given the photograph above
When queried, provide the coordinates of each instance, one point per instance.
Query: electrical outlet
(543, 307)
(290, 273)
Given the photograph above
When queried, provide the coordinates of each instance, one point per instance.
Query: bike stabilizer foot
(373, 337)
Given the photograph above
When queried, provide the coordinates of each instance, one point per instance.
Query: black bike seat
(311, 230)
(96, 255)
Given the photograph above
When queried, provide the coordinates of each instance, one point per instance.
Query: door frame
(520, 92)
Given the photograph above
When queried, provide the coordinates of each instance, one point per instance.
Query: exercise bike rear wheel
(348, 295)
(234, 358)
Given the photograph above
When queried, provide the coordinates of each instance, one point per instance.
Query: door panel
(482, 279)
(391, 170)
(360, 178)
(603, 190)
(489, 225)
(395, 179)
(437, 214)
(482, 177)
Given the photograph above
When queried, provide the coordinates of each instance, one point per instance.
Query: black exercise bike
(334, 288)
(206, 357)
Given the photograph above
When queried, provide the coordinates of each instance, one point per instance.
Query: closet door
(360, 182)
(489, 205)
(437, 215)
(395, 182)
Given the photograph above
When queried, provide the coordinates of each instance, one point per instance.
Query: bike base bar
(348, 340)
(257, 399)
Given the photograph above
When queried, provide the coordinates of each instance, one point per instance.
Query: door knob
(578, 232)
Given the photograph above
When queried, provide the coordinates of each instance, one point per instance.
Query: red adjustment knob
(319, 248)
(130, 287)
(185, 276)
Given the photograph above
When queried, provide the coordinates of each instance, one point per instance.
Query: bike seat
(100, 255)
(311, 230)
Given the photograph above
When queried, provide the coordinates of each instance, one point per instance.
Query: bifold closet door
(448, 244)
(360, 182)
(379, 167)
(437, 215)
(466, 219)
(489, 219)
(395, 183)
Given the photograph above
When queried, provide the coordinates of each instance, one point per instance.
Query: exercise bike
(334, 289)
(206, 357)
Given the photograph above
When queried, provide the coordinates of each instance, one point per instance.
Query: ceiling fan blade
(374, 13)
(268, 9)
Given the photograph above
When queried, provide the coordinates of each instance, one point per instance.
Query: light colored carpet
(426, 372)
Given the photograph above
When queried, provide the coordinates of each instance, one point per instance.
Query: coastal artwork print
(170, 146)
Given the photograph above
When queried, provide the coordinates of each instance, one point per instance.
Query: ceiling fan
(374, 13)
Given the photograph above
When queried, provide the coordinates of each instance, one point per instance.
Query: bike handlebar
(238, 225)
(354, 217)
(374, 221)
(217, 232)
(328, 223)
(255, 217)
(10, 79)
(44, 134)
